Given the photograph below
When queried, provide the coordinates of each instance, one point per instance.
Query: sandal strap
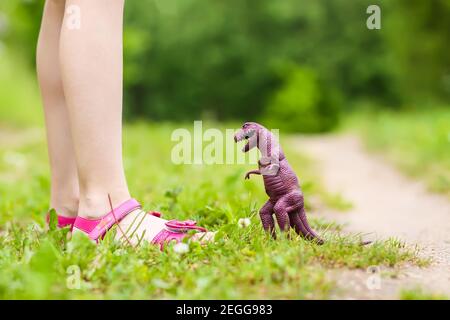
(183, 226)
(62, 221)
(155, 213)
(96, 229)
(175, 231)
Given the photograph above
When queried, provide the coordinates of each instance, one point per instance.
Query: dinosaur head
(251, 132)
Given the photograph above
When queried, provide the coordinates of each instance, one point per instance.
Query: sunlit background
(300, 66)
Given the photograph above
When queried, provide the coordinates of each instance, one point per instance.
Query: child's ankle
(67, 207)
(96, 205)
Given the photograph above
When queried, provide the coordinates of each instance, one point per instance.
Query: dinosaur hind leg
(266, 215)
(301, 226)
(298, 221)
(281, 209)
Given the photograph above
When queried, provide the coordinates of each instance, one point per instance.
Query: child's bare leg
(64, 178)
(91, 64)
(91, 67)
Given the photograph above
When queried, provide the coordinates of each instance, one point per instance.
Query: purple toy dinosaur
(280, 182)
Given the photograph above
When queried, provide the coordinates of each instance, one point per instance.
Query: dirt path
(385, 204)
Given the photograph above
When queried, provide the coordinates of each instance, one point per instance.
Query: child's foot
(141, 226)
(136, 226)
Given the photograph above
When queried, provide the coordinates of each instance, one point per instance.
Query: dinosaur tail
(302, 227)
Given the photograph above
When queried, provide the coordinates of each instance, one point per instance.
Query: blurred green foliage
(190, 59)
(19, 99)
(310, 109)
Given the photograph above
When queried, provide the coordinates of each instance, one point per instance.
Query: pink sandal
(62, 221)
(96, 229)
(175, 231)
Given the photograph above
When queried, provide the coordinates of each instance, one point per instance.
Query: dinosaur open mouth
(248, 136)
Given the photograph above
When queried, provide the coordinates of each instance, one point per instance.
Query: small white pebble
(243, 222)
(181, 248)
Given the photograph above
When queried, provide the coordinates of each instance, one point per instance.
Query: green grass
(417, 142)
(243, 263)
